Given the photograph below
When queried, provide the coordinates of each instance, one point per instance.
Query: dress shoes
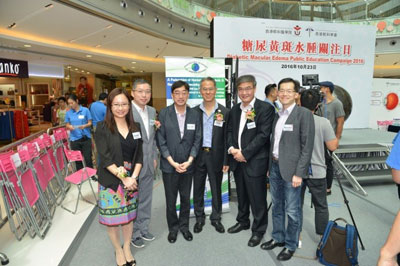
(172, 237)
(237, 228)
(271, 245)
(198, 227)
(285, 254)
(254, 240)
(187, 235)
(218, 226)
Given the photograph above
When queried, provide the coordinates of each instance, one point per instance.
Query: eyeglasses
(179, 93)
(247, 89)
(286, 91)
(120, 105)
(143, 92)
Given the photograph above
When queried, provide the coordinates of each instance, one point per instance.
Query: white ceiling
(64, 35)
(72, 34)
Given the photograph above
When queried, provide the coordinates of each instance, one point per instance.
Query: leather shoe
(271, 245)
(237, 228)
(198, 227)
(172, 237)
(187, 235)
(218, 226)
(254, 240)
(285, 254)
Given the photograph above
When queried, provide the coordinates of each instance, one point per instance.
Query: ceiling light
(133, 62)
(68, 67)
(123, 4)
(141, 13)
(170, 25)
(142, 71)
(88, 55)
(27, 45)
(183, 29)
(156, 19)
(88, 72)
(133, 67)
(76, 69)
(82, 71)
(196, 33)
(109, 27)
(11, 26)
(48, 6)
(97, 46)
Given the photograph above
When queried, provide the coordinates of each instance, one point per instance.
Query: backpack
(339, 245)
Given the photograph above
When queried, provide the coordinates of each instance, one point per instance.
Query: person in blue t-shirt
(98, 109)
(79, 121)
(394, 161)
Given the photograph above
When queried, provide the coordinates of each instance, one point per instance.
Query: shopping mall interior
(107, 44)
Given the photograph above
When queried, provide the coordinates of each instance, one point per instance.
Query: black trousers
(329, 168)
(317, 188)
(85, 146)
(204, 166)
(174, 183)
(252, 193)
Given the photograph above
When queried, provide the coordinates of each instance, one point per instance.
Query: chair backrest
(73, 156)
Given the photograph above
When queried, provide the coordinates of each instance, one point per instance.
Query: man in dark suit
(248, 139)
(212, 159)
(179, 140)
(292, 145)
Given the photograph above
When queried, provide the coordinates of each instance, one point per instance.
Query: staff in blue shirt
(79, 120)
(98, 109)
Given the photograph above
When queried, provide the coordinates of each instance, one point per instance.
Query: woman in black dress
(119, 145)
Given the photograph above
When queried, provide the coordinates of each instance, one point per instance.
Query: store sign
(13, 68)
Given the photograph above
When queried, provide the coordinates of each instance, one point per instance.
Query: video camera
(311, 80)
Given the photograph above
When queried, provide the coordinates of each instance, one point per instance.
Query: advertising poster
(275, 49)
(192, 70)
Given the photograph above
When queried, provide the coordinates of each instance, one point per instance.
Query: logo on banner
(297, 29)
(195, 67)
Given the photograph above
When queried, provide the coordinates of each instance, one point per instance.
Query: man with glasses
(291, 150)
(212, 159)
(146, 116)
(248, 139)
(179, 140)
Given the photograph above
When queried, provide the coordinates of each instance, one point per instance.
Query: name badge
(16, 159)
(218, 123)
(251, 125)
(151, 122)
(136, 135)
(288, 127)
(191, 126)
(81, 116)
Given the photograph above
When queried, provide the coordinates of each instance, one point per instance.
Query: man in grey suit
(179, 140)
(291, 149)
(146, 116)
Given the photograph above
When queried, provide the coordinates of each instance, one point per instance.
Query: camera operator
(331, 109)
(316, 182)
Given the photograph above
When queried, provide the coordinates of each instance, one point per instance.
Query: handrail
(50, 129)
(346, 173)
(18, 142)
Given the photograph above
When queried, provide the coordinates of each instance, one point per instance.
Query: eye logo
(195, 67)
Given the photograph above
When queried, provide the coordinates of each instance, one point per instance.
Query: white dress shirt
(181, 121)
(243, 119)
(283, 116)
(144, 114)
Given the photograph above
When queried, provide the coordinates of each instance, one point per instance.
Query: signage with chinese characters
(276, 49)
(13, 68)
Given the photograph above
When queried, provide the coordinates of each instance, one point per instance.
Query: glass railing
(331, 11)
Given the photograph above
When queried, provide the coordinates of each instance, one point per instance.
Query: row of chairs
(35, 179)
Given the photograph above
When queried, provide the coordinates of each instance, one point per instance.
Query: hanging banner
(13, 68)
(192, 70)
(275, 49)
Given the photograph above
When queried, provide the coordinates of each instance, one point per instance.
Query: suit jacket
(169, 139)
(149, 143)
(255, 141)
(109, 150)
(296, 146)
(218, 144)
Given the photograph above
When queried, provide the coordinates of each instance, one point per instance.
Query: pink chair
(79, 177)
